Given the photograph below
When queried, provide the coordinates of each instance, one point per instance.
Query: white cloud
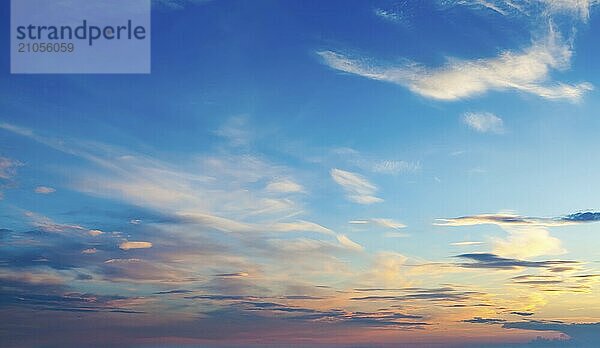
(235, 131)
(466, 243)
(176, 4)
(284, 186)
(135, 245)
(484, 122)
(387, 270)
(95, 233)
(525, 71)
(89, 251)
(44, 190)
(364, 199)
(395, 167)
(388, 223)
(8, 167)
(300, 226)
(388, 15)
(358, 189)
(527, 236)
(46, 224)
(376, 165)
(526, 242)
(347, 243)
(579, 9)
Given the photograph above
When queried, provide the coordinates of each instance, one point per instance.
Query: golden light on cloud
(135, 245)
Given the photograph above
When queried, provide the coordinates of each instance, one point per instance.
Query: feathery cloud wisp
(358, 189)
(526, 71)
(484, 122)
(44, 190)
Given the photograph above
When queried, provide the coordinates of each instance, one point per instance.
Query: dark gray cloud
(480, 320)
(22, 293)
(581, 334)
(411, 294)
(177, 291)
(587, 216)
(488, 260)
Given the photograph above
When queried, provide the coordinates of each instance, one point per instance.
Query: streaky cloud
(526, 71)
(493, 261)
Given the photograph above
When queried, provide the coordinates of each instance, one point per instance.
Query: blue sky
(311, 173)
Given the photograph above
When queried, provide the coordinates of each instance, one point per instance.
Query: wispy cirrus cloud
(284, 186)
(381, 222)
(176, 4)
(525, 71)
(358, 188)
(8, 167)
(44, 190)
(483, 122)
(579, 9)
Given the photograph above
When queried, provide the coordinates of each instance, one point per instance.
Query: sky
(311, 174)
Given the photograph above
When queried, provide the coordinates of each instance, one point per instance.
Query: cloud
(44, 190)
(528, 236)
(135, 245)
(348, 243)
(488, 260)
(48, 225)
(382, 222)
(580, 334)
(466, 243)
(579, 8)
(526, 71)
(502, 219)
(358, 189)
(480, 320)
(176, 4)
(445, 294)
(582, 217)
(376, 165)
(89, 251)
(389, 15)
(8, 167)
(528, 242)
(394, 167)
(232, 275)
(546, 9)
(284, 186)
(388, 223)
(95, 233)
(484, 122)
(235, 131)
